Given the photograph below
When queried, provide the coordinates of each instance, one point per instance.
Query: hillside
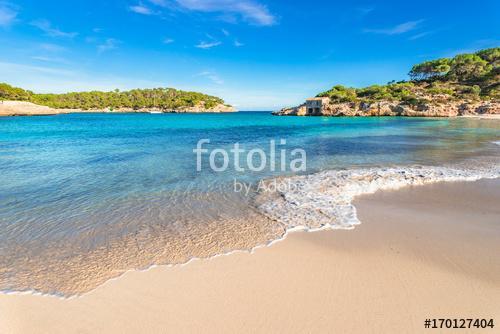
(165, 99)
(464, 84)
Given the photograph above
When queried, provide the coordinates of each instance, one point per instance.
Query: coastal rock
(294, 111)
(481, 109)
(395, 108)
(22, 108)
(340, 109)
(201, 108)
(198, 108)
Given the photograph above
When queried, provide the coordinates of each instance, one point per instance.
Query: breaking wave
(324, 200)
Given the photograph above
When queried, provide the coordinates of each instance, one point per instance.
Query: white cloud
(420, 35)
(249, 10)
(238, 43)
(225, 32)
(52, 47)
(7, 15)
(108, 45)
(45, 79)
(161, 3)
(398, 29)
(208, 45)
(7, 68)
(46, 27)
(141, 9)
(365, 10)
(327, 55)
(211, 76)
(168, 41)
(50, 59)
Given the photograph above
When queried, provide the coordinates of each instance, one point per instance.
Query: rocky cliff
(388, 108)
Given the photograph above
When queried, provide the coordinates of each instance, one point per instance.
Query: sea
(85, 197)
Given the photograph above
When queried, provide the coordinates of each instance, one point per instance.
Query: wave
(324, 200)
(311, 202)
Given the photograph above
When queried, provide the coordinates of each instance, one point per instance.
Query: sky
(255, 54)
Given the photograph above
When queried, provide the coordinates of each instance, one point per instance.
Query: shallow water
(85, 197)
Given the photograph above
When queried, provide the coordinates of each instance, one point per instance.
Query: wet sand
(421, 252)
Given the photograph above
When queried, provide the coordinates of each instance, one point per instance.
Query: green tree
(7, 92)
(374, 92)
(466, 67)
(492, 56)
(340, 93)
(430, 69)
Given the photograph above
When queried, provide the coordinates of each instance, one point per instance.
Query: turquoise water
(76, 188)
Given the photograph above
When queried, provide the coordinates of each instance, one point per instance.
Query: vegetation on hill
(160, 98)
(466, 76)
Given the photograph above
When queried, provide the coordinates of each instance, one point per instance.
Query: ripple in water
(84, 198)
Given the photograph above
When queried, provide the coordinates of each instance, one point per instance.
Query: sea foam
(324, 200)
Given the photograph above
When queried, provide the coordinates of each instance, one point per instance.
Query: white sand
(423, 252)
(20, 108)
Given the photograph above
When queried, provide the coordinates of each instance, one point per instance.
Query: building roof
(317, 98)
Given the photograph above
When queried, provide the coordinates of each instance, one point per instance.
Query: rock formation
(389, 108)
(21, 108)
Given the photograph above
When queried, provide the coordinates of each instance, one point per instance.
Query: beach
(148, 184)
(23, 108)
(421, 252)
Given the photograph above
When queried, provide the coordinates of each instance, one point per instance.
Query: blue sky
(256, 54)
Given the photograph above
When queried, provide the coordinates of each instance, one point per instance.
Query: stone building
(315, 105)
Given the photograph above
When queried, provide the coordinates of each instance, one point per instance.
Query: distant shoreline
(21, 108)
(324, 106)
(475, 116)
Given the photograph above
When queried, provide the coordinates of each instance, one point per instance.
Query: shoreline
(412, 176)
(22, 108)
(478, 116)
(482, 117)
(150, 289)
(153, 111)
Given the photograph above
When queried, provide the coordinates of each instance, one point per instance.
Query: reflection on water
(84, 197)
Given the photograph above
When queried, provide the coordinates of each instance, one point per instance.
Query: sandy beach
(421, 252)
(148, 184)
(20, 108)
